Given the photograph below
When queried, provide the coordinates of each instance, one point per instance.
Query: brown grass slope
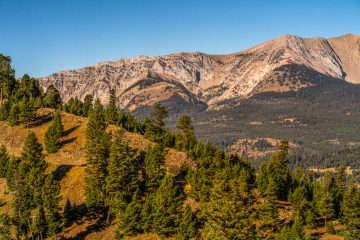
(69, 164)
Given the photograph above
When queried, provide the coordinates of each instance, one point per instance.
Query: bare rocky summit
(200, 79)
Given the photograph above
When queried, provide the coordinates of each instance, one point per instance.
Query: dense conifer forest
(219, 196)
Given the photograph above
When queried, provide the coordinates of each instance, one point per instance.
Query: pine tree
(159, 114)
(187, 138)
(121, 181)
(34, 192)
(155, 128)
(111, 112)
(297, 229)
(27, 110)
(325, 204)
(131, 217)
(87, 106)
(268, 216)
(147, 213)
(7, 78)
(28, 87)
(53, 134)
(32, 167)
(39, 227)
(97, 151)
(52, 97)
(284, 234)
(50, 200)
(300, 202)
(14, 115)
(5, 227)
(351, 212)
(188, 227)
(339, 189)
(228, 211)
(167, 207)
(154, 170)
(274, 177)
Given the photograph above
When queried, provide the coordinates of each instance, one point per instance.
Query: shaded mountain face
(200, 81)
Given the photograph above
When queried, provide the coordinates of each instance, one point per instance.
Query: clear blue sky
(45, 36)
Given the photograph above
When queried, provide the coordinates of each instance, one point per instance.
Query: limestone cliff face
(211, 80)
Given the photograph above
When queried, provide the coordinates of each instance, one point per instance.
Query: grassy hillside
(69, 165)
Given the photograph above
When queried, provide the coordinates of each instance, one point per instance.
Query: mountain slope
(68, 166)
(199, 80)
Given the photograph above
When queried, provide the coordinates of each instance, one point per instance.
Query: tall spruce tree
(187, 139)
(27, 110)
(274, 177)
(97, 152)
(111, 112)
(28, 184)
(131, 218)
(351, 212)
(167, 207)
(154, 167)
(53, 134)
(228, 211)
(188, 226)
(50, 201)
(14, 115)
(7, 79)
(52, 97)
(121, 181)
(155, 128)
(87, 106)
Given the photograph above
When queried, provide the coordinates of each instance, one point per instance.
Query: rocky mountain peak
(211, 80)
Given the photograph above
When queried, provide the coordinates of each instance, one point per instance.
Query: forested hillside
(102, 174)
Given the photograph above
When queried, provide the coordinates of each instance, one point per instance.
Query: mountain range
(213, 79)
(282, 81)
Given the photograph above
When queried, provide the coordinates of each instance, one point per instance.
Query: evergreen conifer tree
(121, 180)
(53, 134)
(274, 177)
(351, 212)
(87, 106)
(167, 207)
(131, 217)
(52, 97)
(155, 128)
(14, 115)
(111, 112)
(50, 200)
(187, 138)
(188, 227)
(228, 211)
(97, 151)
(154, 170)
(27, 110)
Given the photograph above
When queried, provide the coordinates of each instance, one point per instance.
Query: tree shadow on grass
(61, 171)
(40, 120)
(83, 214)
(67, 141)
(70, 130)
